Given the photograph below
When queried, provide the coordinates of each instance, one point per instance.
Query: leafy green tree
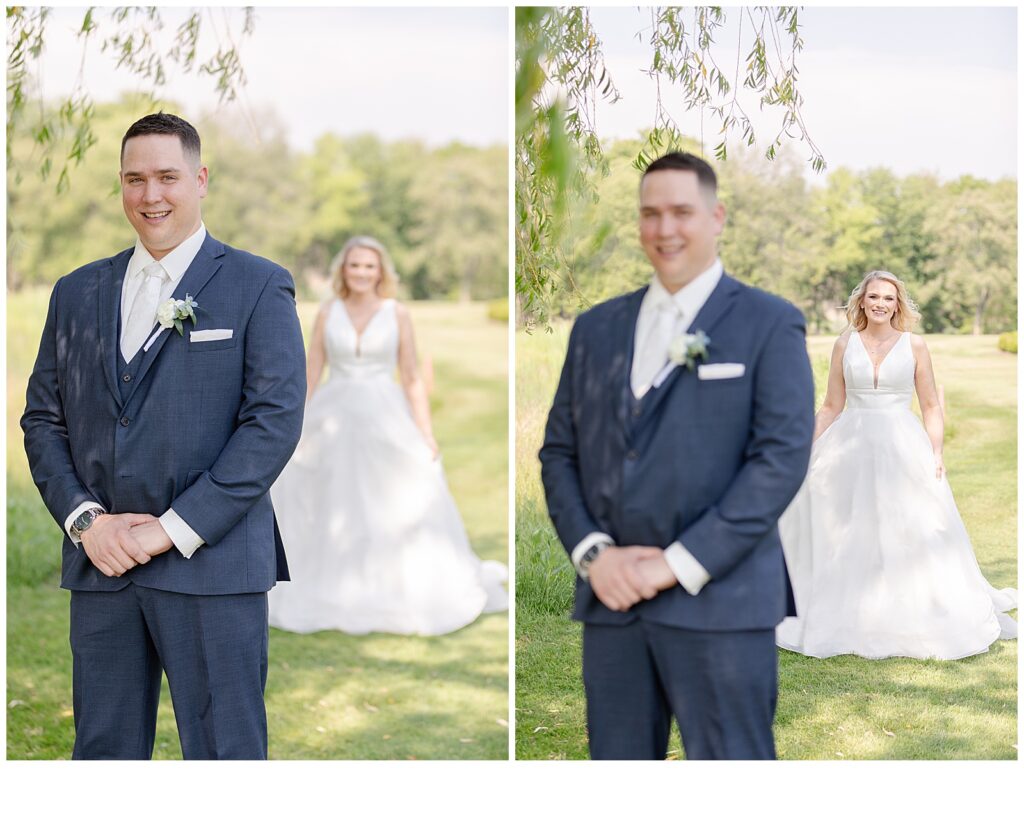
(974, 268)
(769, 227)
(461, 240)
(392, 213)
(845, 245)
(257, 199)
(337, 191)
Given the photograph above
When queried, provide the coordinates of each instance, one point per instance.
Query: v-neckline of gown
(348, 318)
(876, 370)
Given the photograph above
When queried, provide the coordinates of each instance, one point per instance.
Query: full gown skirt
(373, 538)
(880, 560)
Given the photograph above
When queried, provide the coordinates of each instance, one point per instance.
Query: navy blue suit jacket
(205, 428)
(711, 463)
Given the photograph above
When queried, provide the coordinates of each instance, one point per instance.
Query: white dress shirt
(175, 264)
(650, 354)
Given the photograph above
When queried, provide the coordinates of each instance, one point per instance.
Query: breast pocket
(212, 346)
(723, 401)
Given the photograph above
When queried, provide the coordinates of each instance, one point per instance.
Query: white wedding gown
(880, 560)
(372, 535)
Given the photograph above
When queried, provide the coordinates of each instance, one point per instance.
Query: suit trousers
(213, 649)
(721, 686)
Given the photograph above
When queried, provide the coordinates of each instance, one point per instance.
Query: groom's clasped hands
(116, 543)
(623, 575)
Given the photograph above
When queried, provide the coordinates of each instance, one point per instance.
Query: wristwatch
(84, 520)
(589, 556)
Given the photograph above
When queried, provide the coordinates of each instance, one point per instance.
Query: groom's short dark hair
(161, 123)
(679, 160)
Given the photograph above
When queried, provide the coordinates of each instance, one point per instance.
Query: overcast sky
(914, 89)
(434, 74)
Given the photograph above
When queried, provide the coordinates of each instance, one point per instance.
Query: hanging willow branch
(561, 76)
(132, 42)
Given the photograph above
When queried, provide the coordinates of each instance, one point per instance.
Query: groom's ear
(202, 181)
(718, 214)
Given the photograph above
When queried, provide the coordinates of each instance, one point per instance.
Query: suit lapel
(624, 338)
(110, 285)
(718, 304)
(203, 267)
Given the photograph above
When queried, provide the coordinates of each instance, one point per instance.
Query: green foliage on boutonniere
(172, 313)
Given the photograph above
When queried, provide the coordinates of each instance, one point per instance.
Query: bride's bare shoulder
(843, 340)
(917, 343)
(324, 309)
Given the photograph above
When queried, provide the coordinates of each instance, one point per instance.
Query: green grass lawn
(329, 695)
(844, 707)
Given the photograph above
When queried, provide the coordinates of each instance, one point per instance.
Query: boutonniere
(684, 350)
(173, 313)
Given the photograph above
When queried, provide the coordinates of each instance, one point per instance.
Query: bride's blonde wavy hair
(387, 287)
(903, 319)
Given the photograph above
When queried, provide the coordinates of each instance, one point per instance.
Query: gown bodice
(372, 354)
(895, 389)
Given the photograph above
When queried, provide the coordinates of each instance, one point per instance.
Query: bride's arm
(412, 383)
(317, 353)
(835, 393)
(928, 397)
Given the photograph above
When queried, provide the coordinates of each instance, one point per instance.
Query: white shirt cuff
(74, 516)
(184, 538)
(688, 571)
(581, 548)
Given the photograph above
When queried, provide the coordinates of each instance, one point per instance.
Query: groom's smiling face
(161, 188)
(679, 225)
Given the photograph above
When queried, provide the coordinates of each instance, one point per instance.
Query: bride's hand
(940, 467)
(434, 448)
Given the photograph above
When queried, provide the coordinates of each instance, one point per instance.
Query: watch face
(84, 520)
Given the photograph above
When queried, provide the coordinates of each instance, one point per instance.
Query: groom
(154, 448)
(667, 460)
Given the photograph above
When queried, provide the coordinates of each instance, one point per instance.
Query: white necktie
(653, 351)
(143, 311)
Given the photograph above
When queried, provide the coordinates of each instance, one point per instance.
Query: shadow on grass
(334, 695)
(329, 695)
(850, 707)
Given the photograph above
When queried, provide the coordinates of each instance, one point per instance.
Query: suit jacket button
(125, 421)
(126, 378)
(631, 454)
(637, 411)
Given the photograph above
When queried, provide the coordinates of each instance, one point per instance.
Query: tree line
(441, 211)
(953, 243)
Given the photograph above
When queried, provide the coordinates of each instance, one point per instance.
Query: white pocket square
(718, 372)
(197, 336)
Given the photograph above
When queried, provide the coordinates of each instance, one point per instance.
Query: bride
(373, 537)
(880, 560)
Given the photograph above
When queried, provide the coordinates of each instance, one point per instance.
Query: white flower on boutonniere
(684, 350)
(171, 314)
